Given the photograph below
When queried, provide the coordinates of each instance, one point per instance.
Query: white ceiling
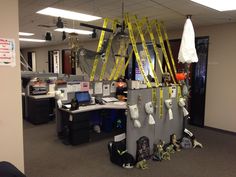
(172, 12)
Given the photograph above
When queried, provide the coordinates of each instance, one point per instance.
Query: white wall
(11, 131)
(221, 81)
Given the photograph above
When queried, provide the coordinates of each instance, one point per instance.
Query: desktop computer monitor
(83, 98)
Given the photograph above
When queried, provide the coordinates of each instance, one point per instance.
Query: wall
(11, 131)
(221, 82)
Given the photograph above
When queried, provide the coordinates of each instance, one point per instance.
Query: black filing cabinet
(40, 110)
(79, 127)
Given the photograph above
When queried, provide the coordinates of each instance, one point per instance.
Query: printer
(38, 88)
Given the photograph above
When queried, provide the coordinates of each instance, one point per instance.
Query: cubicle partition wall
(163, 127)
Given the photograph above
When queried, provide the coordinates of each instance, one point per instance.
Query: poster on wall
(7, 52)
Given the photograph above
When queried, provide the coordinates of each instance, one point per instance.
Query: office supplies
(83, 98)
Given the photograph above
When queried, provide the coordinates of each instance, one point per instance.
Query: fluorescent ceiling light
(25, 34)
(70, 30)
(220, 5)
(67, 14)
(31, 40)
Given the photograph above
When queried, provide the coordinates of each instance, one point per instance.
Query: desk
(74, 126)
(40, 108)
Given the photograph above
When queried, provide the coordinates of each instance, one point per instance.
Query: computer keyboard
(110, 99)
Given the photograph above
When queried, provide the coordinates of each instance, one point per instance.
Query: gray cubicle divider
(163, 127)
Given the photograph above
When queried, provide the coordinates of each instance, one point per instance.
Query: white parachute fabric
(187, 51)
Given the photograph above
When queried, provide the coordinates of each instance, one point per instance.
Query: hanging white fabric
(187, 51)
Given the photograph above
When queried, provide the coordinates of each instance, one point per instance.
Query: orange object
(180, 76)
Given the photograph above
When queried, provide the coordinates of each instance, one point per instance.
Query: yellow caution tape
(158, 29)
(120, 68)
(130, 56)
(169, 91)
(161, 103)
(169, 48)
(121, 61)
(149, 27)
(100, 43)
(179, 94)
(146, 51)
(154, 97)
(117, 61)
(133, 42)
(128, 60)
(108, 49)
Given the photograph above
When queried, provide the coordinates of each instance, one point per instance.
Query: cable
(168, 8)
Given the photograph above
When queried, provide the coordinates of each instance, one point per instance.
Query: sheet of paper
(7, 52)
(77, 87)
(91, 91)
(173, 94)
(69, 88)
(84, 86)
(98, 88)
(113, 87)
(119, 137)
(106, 90)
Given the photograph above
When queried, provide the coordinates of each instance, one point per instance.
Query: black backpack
(143, 149)
(119, 154)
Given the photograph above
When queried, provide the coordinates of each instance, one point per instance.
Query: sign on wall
(7, 52)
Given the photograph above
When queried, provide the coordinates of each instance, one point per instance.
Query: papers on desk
(66, 106)
(110, 99)
(120, 103)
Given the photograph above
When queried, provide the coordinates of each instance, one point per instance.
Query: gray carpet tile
(46, 156)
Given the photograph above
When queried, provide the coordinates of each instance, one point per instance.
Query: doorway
(54, 61)
(68, 62)
(198, 76)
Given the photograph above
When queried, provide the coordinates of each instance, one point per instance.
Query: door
(54, 61)
(68, 62)
(197, 78)
(32, 61)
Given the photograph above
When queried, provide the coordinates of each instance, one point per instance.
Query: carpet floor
(46, 156)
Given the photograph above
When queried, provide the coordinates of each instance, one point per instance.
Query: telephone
(99, 101)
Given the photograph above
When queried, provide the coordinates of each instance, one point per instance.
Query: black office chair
(9, 170)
